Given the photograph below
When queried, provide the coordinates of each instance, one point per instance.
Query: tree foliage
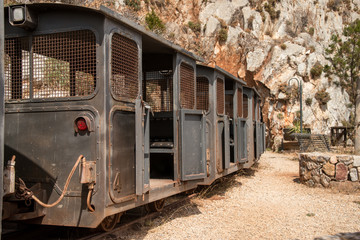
(344, 55)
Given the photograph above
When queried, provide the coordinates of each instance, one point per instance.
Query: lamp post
(300, 91)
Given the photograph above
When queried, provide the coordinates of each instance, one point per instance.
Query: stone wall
(321, 169)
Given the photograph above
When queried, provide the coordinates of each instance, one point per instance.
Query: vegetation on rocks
(223, 35)
(154, 23)
(308, 101)
(316, 70)
(134, 4)
(195, 26)
(322, 96)
(344, 56)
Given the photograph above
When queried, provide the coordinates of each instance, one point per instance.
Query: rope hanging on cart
(23, 192)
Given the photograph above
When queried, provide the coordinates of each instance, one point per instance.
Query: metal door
(227, 142)
(242, 140)
(193, 147)
(142, 147)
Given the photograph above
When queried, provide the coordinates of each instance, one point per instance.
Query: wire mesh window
(187, 86)
(124, 67)
(246, 106)
(158, 90)
(240, 102)
(17, 68)
(59, 65)
(202, 93)
(220, 105)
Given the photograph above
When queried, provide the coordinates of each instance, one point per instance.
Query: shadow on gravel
(341, 236)
(296, 180)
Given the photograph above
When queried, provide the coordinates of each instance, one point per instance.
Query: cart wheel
(157, 206)
(109, 222)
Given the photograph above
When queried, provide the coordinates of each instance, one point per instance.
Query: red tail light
(81, 124)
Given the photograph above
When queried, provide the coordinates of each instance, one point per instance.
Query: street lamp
(300, 91)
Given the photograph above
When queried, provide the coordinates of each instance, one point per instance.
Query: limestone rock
(356, 162)
(255, 59)
(346, 159)
(333, 160)
(341, 172)
(354, 175)
(325, 180)
(311, 165)
(329, 169)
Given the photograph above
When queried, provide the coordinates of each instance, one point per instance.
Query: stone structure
(320, 169)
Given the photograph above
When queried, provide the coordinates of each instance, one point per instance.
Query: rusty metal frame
(2, 106)
(59, 30)
(131, 38)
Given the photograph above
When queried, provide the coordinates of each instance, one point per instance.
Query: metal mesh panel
(158, 90)
(64, 64)
(220, 96)
(17, 68)
(187, 85)
(246, 106)
(202, 93)
(239, 102)
(124, 67)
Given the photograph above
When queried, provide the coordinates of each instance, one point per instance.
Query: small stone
(356, 161)
(323, 159)
(304, 175)
(316, 179)
(325, 181)
(311, 165)
(317, 185)
(341, 172)
(333, 160)
(347, 159)
(354, 175)
(329, 169)
(310, 183)
(315, 172)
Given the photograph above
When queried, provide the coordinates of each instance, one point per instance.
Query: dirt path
(268, 203)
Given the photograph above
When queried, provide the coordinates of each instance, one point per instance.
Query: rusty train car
(135, 117)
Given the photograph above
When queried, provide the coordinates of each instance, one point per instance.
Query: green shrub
(308, 101)
(283, 46)
(194, 26)
(316, 70)
(154, 23)
(223, 35)
(134, 4)
(334, 5)
(311, 31)
(322, 96)
(280, 116)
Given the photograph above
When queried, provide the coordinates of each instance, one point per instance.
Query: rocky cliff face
(264, 42)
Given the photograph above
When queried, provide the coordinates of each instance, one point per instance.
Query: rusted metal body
(1, 103)
(153, 129)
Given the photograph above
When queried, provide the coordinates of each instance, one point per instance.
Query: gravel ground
(264, 203)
